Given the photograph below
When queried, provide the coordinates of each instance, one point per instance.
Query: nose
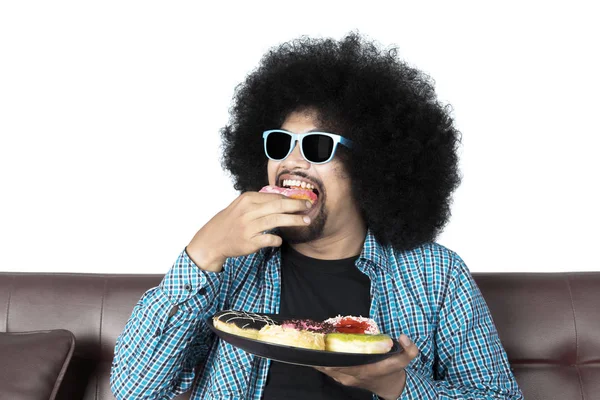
(295, 159)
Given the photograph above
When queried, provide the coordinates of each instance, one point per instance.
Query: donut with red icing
(358, 343)
(351, 324)
(356, 335)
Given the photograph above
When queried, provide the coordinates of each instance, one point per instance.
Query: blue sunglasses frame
(298, 137)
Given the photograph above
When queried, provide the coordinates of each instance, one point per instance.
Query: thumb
(410, 349)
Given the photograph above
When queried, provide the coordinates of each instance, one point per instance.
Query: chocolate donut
(241, 323)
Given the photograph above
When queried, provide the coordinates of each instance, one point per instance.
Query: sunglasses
(316, 147)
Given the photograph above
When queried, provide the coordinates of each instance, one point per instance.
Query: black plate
(296, 355)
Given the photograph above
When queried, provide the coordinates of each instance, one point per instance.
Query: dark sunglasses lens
(278, 145)
(317, 148)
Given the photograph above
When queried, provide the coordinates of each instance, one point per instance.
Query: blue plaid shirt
(427, 293)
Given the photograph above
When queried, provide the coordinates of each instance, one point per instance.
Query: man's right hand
(238, 229)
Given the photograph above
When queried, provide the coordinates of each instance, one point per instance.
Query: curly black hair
(404, 163)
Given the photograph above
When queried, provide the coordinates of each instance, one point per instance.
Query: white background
(110, 114)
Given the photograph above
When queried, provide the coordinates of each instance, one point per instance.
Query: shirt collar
(373, 254)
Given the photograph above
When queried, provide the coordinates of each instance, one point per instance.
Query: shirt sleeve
(166, 335)
(472, 363)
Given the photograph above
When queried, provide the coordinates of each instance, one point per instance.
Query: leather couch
(549, 324)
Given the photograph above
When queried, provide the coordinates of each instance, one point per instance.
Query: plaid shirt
(426, 293)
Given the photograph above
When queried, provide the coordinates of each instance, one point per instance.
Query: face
(335, 205)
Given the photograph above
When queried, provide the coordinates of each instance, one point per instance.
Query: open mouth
(298, 184)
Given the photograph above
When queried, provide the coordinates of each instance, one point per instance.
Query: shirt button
(202, 291)
(157, 333)
(188, 287)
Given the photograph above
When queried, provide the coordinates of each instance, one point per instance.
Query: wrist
(205, 259)
(395, 389)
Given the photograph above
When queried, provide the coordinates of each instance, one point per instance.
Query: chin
(295, 235)
(305, 234)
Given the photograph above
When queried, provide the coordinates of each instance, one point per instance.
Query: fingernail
(306, 219)
(308, 204)
(405, 341)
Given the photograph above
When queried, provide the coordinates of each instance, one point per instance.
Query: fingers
(278, 211)
(243, 227)
(278, 220)
(390, 364)
(339, 376)
(258, 198)
(278, 205)
(264, 211)
(267, 240)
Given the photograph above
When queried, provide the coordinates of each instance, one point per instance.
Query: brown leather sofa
(548, 323)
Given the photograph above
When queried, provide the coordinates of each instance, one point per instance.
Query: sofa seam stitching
(10, 290)
(580, 381)
(576, 335)
(100, 330)
(574, 320)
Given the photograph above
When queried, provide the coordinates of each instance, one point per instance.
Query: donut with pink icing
(303, 333)
(309, 325)
(288, 335)
(292, 193)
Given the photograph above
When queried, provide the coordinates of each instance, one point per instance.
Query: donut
(356, 335)
(351, 324)
(293, 192)
(241, 323)
(290, 336)
(304, 333)
(358, 343)
(309, 325)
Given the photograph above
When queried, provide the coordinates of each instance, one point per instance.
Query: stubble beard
(304, 234)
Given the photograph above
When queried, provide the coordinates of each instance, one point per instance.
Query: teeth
(295, 183)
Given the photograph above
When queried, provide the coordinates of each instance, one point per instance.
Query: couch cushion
(33, 364)
(549, 325)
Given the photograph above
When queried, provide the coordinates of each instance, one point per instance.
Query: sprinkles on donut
(346, 334)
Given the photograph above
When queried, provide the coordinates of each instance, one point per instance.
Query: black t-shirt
(316, 289)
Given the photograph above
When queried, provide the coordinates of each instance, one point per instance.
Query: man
(365, 132)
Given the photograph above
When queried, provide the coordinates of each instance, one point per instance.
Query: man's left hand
(385, 378)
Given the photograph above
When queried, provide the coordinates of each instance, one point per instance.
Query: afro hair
(404, 163)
